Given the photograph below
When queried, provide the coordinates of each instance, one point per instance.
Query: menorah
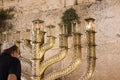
(37, 47)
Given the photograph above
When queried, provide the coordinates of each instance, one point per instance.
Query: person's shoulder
(14, 59)
(4, 56)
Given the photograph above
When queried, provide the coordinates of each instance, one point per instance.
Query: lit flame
(90, 24)
(88, 27)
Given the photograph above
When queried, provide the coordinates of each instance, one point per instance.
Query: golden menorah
(37, 47)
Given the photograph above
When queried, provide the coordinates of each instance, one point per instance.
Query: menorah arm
(26, 76)
(90, 70)
(91, 66)
(17, 43)
(63, 72)
(26, 66)
(73, 65)
(27, 45)
(46, 46)
(25, 60)
(53, 60)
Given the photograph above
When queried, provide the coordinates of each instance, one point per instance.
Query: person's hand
(12, 77)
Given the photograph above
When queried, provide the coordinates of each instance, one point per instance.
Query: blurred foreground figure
(10, 67)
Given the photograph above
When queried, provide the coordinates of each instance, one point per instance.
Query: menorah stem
(37, 41)
(35, 69)
(38, 51)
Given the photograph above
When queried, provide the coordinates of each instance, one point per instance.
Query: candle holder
(50, 31)
(76, 26)
(63, 28)
(4, 34)
(38, 24)
(90, 24)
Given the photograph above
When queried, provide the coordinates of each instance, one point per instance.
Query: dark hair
(11, 49)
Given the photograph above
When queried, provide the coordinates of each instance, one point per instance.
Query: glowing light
(90, 23)
(88, 27)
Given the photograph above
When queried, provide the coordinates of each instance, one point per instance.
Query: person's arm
(12, 77)
(15, 70)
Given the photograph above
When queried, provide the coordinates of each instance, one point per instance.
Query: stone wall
(106, 13)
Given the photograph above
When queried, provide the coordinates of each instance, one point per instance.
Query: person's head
(10, 48)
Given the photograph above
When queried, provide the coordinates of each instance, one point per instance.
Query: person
(10, 67)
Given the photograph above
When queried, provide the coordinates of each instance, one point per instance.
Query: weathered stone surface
(106, 13)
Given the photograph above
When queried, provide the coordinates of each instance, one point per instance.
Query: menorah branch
(91, 58)
(26, 66)
(73, 65)
(53, 59)
(50, 43)
(63, 72)
(26, 76)
(26, 45)
(39, 48)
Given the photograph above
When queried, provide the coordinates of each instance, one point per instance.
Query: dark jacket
(9, 65)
